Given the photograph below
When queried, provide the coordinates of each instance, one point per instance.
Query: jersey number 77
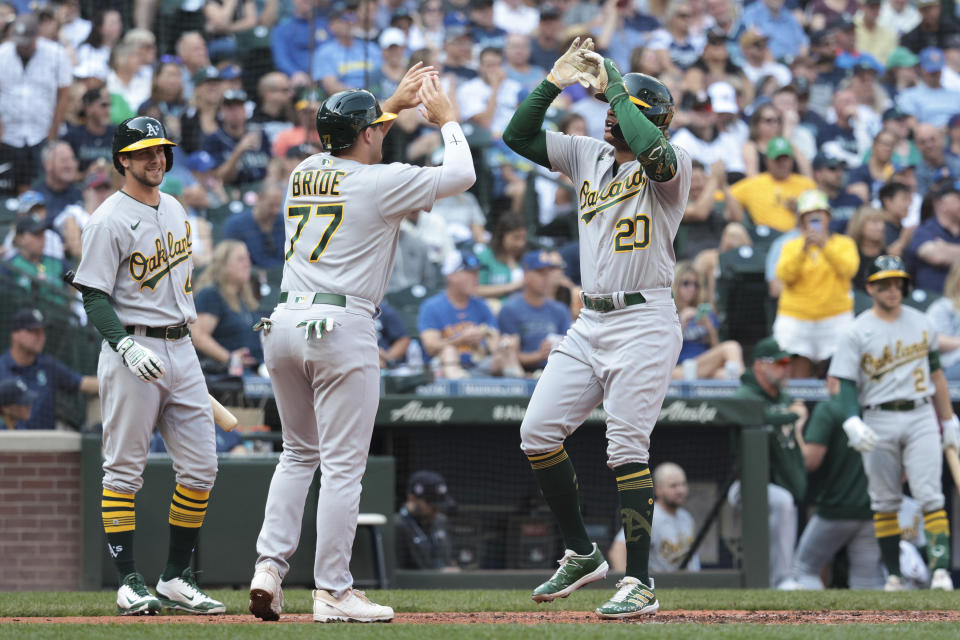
(311, 211)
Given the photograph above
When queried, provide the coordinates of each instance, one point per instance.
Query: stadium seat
(742, 297)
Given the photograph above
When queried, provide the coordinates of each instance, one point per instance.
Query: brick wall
(40, 520)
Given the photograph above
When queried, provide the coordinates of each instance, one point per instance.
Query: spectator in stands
(933, 30)
(225, 19)
(489, 100)
(769, 198)
(463, 211)
(70, 222)
(35, 76)
(757, 63)
(227, 308)
(431, 22)
(93, 139)
(900, 16)
(192, 51)
(93, 55)
(935, 245)
(866, 229)
(787, 38)
(15, 403)
(714, 65)
(43, 375)
(929, 101)
(533, 315)
(709, 207)
(815, 305)
(412, 264)
(482, 28)
(305, 128)
(30, 265)
(201, 117)
(714, 131)
(394, 51)
(850, 136)
(895, 199)
(58, 186)
(459, 329)
(868, 92)
(241, 149)
(32, 204)
(516, 52)
(873, 37)
(343, 62)
(500, 270)
(127, 86)
(457, 47)
(261, 229)
(674, 529)
(902, 71)
(622, 29)
(274, 111)
(866, 180)
(166, 102)
(935, 164)
(201, 165)
(513, 16)
(422, 529)
(547, 38)
(675, 43)
(698, 321)
(829, 174)
(293, 39)
(765, 381)
(767, 123)
(945, 315)
(393, 339)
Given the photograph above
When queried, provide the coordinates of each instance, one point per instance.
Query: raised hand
(570, 65)
(435, 105)
(406, 96)
(594, 75)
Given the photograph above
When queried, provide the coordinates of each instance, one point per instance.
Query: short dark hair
(486, 50)
(890, 190)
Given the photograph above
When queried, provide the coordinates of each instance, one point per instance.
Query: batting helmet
(652, 98)
(139, 133)
(345, 114)
(884, 267)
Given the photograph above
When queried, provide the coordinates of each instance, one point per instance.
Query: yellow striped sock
(117, 511)
(549, 459)
(936, 522)
(188, 507)
(886, 524)
(633, 481)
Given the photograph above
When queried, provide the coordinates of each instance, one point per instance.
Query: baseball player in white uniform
(343, 212)
(889, 366)
(633, 188)
(135, 276)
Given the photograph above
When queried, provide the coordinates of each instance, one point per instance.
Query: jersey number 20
(632, 233)
(305, 213)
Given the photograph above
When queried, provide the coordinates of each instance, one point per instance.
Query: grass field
(100, 604)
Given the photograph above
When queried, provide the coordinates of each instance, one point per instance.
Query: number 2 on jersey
(305, 212)
(632, 233)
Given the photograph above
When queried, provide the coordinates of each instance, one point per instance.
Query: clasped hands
(580, 64)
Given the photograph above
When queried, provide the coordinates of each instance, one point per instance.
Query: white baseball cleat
(134, 599)
(941, 580)
(894, 583)
(183, 593)
(352, 606)
(266, 595)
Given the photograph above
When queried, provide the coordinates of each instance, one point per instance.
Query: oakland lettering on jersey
(314, 182)
(889, 360)
(594, 201)
(150, 270)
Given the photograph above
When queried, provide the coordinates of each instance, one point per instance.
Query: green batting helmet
(345, 114)
(652, 98)
(139, 133)
(884, 267)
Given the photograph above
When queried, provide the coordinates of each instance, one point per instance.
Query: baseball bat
(226, 420)
(953, 461)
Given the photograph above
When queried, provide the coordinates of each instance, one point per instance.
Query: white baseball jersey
(343, 221)
(627, 222)
(141, 257)
(889, 361)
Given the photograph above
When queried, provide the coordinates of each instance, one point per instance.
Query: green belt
(335, 299)
(164, 333)
(604, 304)
(900, 405)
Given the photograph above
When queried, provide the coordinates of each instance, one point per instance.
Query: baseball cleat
(352, 606)
(266, 595)
(134, 599)
(941, 580)
(894, 583)
(183, 593)
(633, 598)
(574, 572)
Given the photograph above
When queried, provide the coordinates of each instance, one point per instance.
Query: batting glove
(568, 67)
(951, 432)
(595, 77)
(143, 362)
(861, 437)
(318, 327)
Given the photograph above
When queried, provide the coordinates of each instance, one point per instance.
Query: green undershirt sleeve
(847, 398)
(654, 152)
(525, 133)
(97, 305)
(934, 358)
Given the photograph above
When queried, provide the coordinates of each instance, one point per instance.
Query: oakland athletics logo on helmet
(139, 133)
(886, 266)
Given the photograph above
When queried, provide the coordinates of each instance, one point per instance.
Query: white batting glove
(568, 67)
(595, 76)
(951, 432)
(319, 327)
(861, 437)
(145, 364)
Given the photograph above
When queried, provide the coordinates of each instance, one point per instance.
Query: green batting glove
(615, 87)
(318, 327)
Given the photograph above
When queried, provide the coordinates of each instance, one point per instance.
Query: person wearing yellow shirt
(769, 198)
(816, 269)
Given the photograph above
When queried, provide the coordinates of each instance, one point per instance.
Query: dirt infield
(557, 617)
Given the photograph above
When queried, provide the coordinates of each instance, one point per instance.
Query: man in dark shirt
(43, 375)
(94, 138)
(547, 39)
(241, 149)
(261, 229)
(457, 45)
(935, 246)
(828, 173)
(933, 29)
(421, 526)
(15, 402)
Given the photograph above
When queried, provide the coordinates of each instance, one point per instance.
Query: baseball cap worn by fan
(778, 147)
(812, 200)
(902, 57)
(824, 161)
(767, 350)
(432, 488)
(14, 391)
(541, 260)
(723, 98)
(460, 260)
(30, 200)
(931, 60)
(206, 74)
(29, 224)
(392, 36)
(25, 29)
(234, 95)
(27, 319)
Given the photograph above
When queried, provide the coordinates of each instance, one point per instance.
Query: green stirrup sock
(119, 523)
(635, 485)
(887, 529)
(937, 528)
(558, 484)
